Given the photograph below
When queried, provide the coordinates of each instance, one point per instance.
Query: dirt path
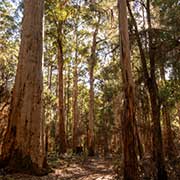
(92, 169)
(74, 169)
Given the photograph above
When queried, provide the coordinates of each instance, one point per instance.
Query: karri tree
(128, 119)
(23, 146)
(152, 86)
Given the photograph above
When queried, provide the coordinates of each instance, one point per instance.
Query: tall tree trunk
(91, 113)
(68, 123)
(128, 119)
(150, 80)
(23, 146)
(60, 136)
(155, 106)
(92, 63)
(75, 97)
(158, 155)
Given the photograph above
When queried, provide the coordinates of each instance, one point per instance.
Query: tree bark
(155, 106)
(128, 119)
(75, 97)
(92, 63)
(68, 122)
(60, 136)
(23, 146)
(91, 113)
(150, 81)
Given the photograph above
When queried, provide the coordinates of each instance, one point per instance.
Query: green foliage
(78, 20)
(169, 93)
(8, 43)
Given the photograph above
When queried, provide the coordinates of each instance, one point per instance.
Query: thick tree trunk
(60, 136)
(128, 119)
(61, 144)
(23, 146)
(158, 155)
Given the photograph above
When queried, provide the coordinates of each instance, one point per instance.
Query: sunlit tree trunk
(128, 119)
(60, 139)
(92, 63)
(23, 146)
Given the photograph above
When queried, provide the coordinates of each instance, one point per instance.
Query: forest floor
(93, 168)
(74, 168)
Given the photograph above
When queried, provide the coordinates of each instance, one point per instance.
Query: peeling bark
(128, 118)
